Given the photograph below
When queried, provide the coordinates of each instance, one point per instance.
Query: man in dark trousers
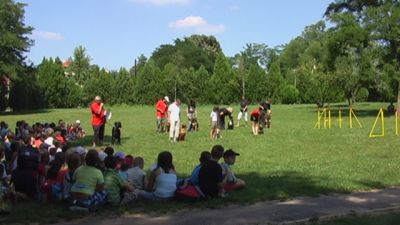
(222, 113)
(98, 120)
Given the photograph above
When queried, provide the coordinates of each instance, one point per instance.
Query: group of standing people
(169, 119)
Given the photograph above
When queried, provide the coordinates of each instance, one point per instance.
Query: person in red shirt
(254, 118)
(98, 120)
(161, 113)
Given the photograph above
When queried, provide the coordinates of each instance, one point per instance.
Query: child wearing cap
(231, 183)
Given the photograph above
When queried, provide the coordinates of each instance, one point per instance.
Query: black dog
(116, 133)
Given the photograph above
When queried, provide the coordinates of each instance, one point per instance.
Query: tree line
(351, 55)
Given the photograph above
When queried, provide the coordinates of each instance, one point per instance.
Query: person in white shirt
(174, 111)
(214, 133)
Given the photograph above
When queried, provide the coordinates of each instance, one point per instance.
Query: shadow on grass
(276, 185)
(88, 141)
(25, 112)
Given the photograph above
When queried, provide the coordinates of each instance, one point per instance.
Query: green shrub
(289, 94)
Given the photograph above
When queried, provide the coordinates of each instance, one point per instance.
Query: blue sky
(115, 32)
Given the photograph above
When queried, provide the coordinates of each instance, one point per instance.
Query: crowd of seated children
(87, 179)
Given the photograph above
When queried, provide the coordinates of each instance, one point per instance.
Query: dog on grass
(182, 133)
(194, 125)
(116, 133)
(230, 124)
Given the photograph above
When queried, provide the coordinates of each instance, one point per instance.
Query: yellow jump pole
(383, 123)
(351, 122)
(329, 117)
(397, 130)
(340, 118)
(380, 114)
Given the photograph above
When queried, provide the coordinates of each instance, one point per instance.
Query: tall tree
(223, 82)
(14, 43)
(381, 19)
(79, 69)
(52, 82)
(148, 87)
(14, 40)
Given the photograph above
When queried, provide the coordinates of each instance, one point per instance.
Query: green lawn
(290, 159)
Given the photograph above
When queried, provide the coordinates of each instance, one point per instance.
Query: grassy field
(290, 159)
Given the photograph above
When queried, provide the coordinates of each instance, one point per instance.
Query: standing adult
(98, 120)
(161, 113)
(174, 111)
(243, 111)
(265, 118)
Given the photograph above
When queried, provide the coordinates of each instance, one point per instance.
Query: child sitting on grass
(231, 183)
(87, 192)
(136, 175)
(73, 162)
(119, 191)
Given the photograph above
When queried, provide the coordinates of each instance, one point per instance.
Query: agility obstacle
(324, 115)
(381, 117)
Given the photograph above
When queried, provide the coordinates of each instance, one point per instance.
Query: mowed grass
(291, 159)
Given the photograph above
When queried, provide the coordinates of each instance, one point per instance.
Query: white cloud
(190, 21)
(199, 24)
(48, 35)
(163, 2)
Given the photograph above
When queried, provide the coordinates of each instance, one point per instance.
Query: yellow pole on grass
(340, 118)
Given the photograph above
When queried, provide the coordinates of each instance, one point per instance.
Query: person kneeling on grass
(162, 180)
(87, 192)
(119, 191)
(231, 183)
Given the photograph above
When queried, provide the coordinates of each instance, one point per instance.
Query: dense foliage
(355, 58)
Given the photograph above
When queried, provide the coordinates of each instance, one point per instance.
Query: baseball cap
(81, 150)
(78, 121)
(166, 98)
(230, 152)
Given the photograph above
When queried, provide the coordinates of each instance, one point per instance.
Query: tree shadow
(24, 112)
(88, 141)
(282, 185)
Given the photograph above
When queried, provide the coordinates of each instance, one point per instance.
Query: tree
(79, 69)
(14, 40)
(52, 83)
(256, 84)
(224, 86)
(124, 87)
(381, 19)
(202, 78)
(14, 43)
(149, 84)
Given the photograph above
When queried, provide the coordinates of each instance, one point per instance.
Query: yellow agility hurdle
(326, 115)
(351, 115)
(381, 116)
